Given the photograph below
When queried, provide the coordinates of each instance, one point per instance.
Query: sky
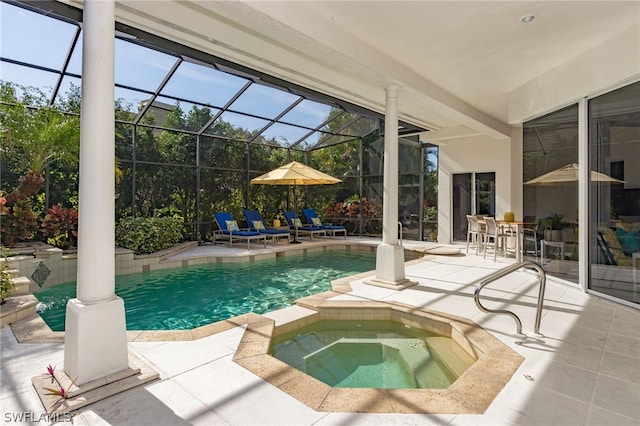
(44, 41)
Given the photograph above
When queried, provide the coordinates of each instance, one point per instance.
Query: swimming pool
(193, 296)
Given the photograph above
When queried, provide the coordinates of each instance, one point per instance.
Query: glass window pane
(263, 101)
(309, 114)
(409, 159)
(614, 138)
(284, 134)
(461, 194)
(362, 127)
(68, 98)
(222, 153)
(203, 84)
(180, 115)
(35, 38)
(224, 191)
(140, 67)
(165, 190)
(311, 141)
(29, 77)
(75, 63)
(549, 144)
(130, 100)
(236, 126)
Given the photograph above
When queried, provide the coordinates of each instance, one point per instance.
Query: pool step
(22, 285)
(449, 354)
(17, 307)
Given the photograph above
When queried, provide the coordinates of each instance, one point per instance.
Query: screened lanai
(192, 130)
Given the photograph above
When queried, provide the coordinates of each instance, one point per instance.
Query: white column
(389, 254)
(95, 338)
(390, 178)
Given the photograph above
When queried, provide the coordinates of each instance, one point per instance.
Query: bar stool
(558, 244)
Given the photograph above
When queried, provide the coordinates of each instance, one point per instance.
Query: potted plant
(553, 227)
(433, 234)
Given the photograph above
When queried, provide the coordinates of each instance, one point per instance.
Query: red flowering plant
(18, 222)
(58, 390)
(60, 225)
(356, 211)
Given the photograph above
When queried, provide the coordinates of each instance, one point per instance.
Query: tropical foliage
(35, 137)
(60, 226)
(146, 235)
(167, 167)
(7, 286)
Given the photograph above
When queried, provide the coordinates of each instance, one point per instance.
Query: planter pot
(553, 235)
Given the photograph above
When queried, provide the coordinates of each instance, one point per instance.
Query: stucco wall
(474, 154)
(612, 63)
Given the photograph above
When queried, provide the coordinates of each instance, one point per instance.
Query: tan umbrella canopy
(568, 174)
(295, 173)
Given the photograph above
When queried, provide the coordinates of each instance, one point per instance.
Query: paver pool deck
(584, 370)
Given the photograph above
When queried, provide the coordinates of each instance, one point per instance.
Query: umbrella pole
(295, 228)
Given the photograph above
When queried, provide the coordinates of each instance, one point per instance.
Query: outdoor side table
(558, 244)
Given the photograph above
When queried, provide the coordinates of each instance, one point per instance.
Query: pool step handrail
(504, 272)
(400, 227)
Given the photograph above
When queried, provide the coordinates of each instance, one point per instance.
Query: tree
(34, 136)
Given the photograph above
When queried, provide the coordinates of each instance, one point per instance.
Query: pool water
(190, 297)
(372, 354)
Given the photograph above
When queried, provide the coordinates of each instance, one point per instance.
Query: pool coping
(33, 329)
(472, 393)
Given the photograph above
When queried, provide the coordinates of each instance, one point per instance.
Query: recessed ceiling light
(527, 18)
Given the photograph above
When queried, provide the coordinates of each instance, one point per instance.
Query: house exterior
(474, 75)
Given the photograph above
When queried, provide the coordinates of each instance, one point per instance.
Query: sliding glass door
(473, 193)
(614, 146)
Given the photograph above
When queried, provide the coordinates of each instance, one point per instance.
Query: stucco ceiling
(455, 61)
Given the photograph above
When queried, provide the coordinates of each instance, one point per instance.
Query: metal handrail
(400, 226)
(504, 272)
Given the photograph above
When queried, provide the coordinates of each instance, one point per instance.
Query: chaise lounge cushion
(629, 241)
(311, 216)
(614, 247)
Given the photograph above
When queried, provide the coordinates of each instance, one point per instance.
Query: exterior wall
(615, 61)
(612, 64)
(475, 154)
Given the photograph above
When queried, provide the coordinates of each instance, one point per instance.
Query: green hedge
(146, 235)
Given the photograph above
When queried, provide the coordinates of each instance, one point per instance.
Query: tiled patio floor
(584, 371)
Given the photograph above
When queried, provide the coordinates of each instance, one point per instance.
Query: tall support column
(389, 254)
(95, 338)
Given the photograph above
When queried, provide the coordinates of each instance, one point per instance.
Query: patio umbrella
(568, 174)
(295, 174)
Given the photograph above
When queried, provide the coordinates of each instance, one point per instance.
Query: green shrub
(7, 285)
(146, 235)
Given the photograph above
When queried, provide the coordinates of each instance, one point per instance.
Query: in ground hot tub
(323, 366)
(373, 354)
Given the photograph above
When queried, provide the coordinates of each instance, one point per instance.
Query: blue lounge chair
(256, 223)
(312, 218)
(229, 228)
(295, 224)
